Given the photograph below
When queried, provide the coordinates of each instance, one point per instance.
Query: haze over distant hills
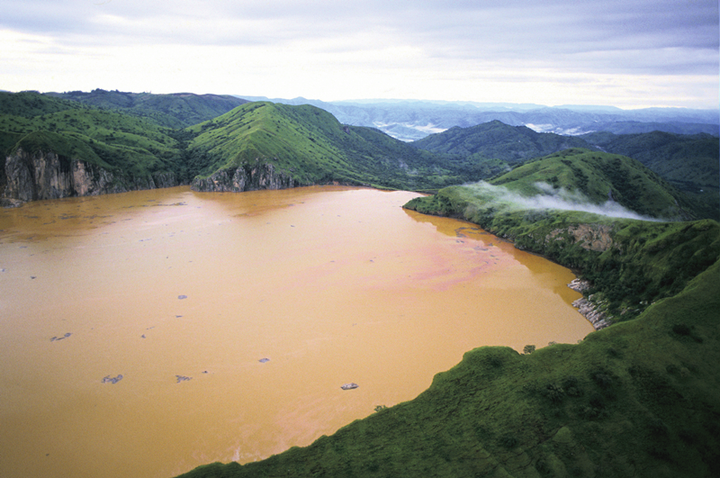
(645, 387)
(410, 120)
(143, 140)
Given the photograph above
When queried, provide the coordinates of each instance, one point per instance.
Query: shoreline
(587, 309)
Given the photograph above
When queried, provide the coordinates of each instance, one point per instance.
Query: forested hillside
(312, 147)
(689, 162)
(512, 144)
(177, 110)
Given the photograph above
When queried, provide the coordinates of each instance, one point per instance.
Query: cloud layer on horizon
(659, 52)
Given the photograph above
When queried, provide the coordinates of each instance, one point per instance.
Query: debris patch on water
(56, 338)
(113, 380)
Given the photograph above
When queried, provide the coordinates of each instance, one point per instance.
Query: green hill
(273, 145)
(599, 178)
(121, 142)
(497, 140)
(691, 163)
(28, 104)
(640, 398)
(177, 110)
(312, 147)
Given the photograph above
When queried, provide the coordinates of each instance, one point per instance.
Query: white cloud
(620, 52)
(552, 198)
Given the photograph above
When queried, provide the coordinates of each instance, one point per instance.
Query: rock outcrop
(47, 175)
(245, 178)
(586, 307)
(592, 237)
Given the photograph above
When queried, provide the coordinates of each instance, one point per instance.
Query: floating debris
(181, 297)
(350, 386)
(182, 378)
(113, 380)
(60, 338)
(264, 359)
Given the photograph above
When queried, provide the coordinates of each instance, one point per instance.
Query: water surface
(143, 334)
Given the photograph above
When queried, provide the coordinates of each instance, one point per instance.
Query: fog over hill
(410, 120)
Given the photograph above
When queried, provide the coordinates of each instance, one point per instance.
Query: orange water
(332, 284)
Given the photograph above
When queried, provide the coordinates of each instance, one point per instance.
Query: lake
(143, 334)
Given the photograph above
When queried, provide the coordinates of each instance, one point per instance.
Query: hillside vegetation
(310, 145)
(691, 163)
(639, 398)
(598, 178)
(121, 143)
(512, 144)
(177, 110)
(118, 132)
(630, 262)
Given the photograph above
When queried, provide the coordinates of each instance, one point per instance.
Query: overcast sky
(626, 53)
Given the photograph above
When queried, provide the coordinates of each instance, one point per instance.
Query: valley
(631, 209)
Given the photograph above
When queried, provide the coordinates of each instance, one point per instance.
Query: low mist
(549, 197)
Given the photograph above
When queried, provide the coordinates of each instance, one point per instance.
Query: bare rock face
(40, 175)
(587, 308)
(596, 317)
(90, 180)
(19, 179)
(261, 176)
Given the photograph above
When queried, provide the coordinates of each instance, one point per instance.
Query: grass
(631, 263)
(600, 176)
(126, 145)
(176, 111)
(640, 398)
(688, 162)
(310, 145)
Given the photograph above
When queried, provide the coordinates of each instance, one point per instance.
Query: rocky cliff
(47, 175)
(245, 178)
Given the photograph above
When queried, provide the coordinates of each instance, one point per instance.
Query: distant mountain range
(410, 120)
(691, 163)
(176, 110)
(220, 142)
(635, 399)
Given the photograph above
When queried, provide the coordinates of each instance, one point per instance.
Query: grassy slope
(689, 162)
(631, 263)
(640, 398)
(597, 176)
(303, 141)
(313, 147)
(177, 110)
(115, 141)
(641, 263)
(512, 144)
